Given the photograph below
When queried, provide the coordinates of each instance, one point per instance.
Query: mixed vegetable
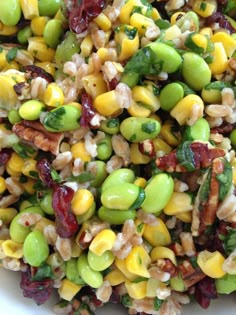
(117, 152)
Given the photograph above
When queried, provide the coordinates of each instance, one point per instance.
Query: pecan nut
(34, 132)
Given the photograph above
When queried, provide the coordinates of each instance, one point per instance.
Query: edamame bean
(130, 78)
(24, 34)
(87, 215)
(195, 71)
(200, 130)
(72, 272)
(53, 32)
(92, 277)
(100, 263)
(158, 192)
(123, 197)
(98, 168)
(10, 12)
(18, 232)
(120, 176)
(169, 58)
(31, 110)
(187, 89)
(45, 202)
(104, 148)
(35, 248)
(110, 126)
(232, 137)
(113, 216)
(62, 118)
(49, 7)
(137, 129)
(170, 95)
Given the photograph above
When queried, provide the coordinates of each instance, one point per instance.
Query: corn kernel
(12, 249)
(160, 252)
(7, 214)
(8, 30)
(38, 49)
(29, 168)
(211, 263)
(115, 277)
(200, 40)
(102, 242)
(220, 60)
(103, 22)
(157, 235)
(53, 95)
(38, 24)
(172, 32)
(141, 182)
(68, 289)
(128, 44)
(206, 31)
(121, 265)
(185, 216)
(78, 150)
(127, 8)
(136, 290)
(15, 163)
(29, 8)
(138, 261)
(86, 46)
(168, 135)
(107, 104)
(136, 156)
(137, 110)
(141, 22)
(144, 95)
(161, 145)
(47, 66)
(94, 84)
(177, 15)
(155, 14)
(227, 41)
(205, 8)
(179, 202)
(82, 201)
(3, 186)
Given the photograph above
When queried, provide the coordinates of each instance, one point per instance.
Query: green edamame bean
(169, 58)
(24, 34)
(72, 272)
(100, 263)
(87, 215)
(123, 197)
(31, 110)
(49, 7)
(120, 176)
(10, 12)
(92, 277)
(45, 202)
(232, 137)
(170, 95)
(130, 78)
(187, 89)
(158, 192)
(53, 32)
(110, 126)
(113, 216)
(62, 118)
(195, 71)
(35, 248)
(200, 130)
(138, 129)
(190, 18)
(98, 168)
(19, 232)
(104, 148)
(13, 116)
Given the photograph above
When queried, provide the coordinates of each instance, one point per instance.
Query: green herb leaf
(229, 241)
(225, 180)
(157, 303)
(162, 24)
(23, 150)
(205, 187)
(55, 176)
(82, 178)
(189, 43)
(149, 127)
(126, 300)
(185, 156)
(44, 271)
(11, 54)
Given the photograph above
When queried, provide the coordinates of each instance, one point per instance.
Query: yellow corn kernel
(168, 135)
(12, 65)
(53, 95)
(136, 290)
(137, 262)
(136, 157)
(42, 223)
(47, 66)
(7, 214)
(76, 250)
(139, 226)
(29, 168)
(94, 84)
(115, 277)
(177, 15)
(82, 201)
(78, 150)
(68, 289)
(172, 32)
(86, 46)
(103, 241)
(29, 186)
(188, 110)
(143, 95)
(121, 265)
(155, 15)
(161, 146)
(211, 263)
(141, 182)
(206, 31)
(106, 54)
(15, 163)
(128, 7)
(107, 104)
(38, 49)
(160, 252)
(8, 30)
(185, 216)
(141, 22)
(137, 110)
(200, 40)
(205, 8)
(227, 40)
(12, 249)
(3, 186)
(103, 22)
(179, 202)
(29, 8)
(157, 235)
(220, 60)
(2, 255)
(127, 39)
(3, 59)
(38, 24)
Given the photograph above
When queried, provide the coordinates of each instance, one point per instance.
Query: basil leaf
(149, 127)
(44, 271)
(185, 156)
(225, 180)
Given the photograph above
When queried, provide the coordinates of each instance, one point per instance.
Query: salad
(117, 152)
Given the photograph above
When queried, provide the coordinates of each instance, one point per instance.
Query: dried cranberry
(88, 111)
(112, 84)
(82, 12)
(147, 147)
(44, 168)
(219, 17)
(35, 72)
(5, 155)
(66, 223)
(205, 290)
(40, 291)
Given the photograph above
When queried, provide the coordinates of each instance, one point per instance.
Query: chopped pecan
(33, 72)
(35, 133)
(190, 274)
(169, 267)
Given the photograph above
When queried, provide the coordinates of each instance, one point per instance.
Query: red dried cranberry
(35, 72)
(82, 12)
(147, 147)
(88, 111)
(112, 84)
(5, 155)
(205, 290)
(40, 291)
(66, 223)
(44, 168)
